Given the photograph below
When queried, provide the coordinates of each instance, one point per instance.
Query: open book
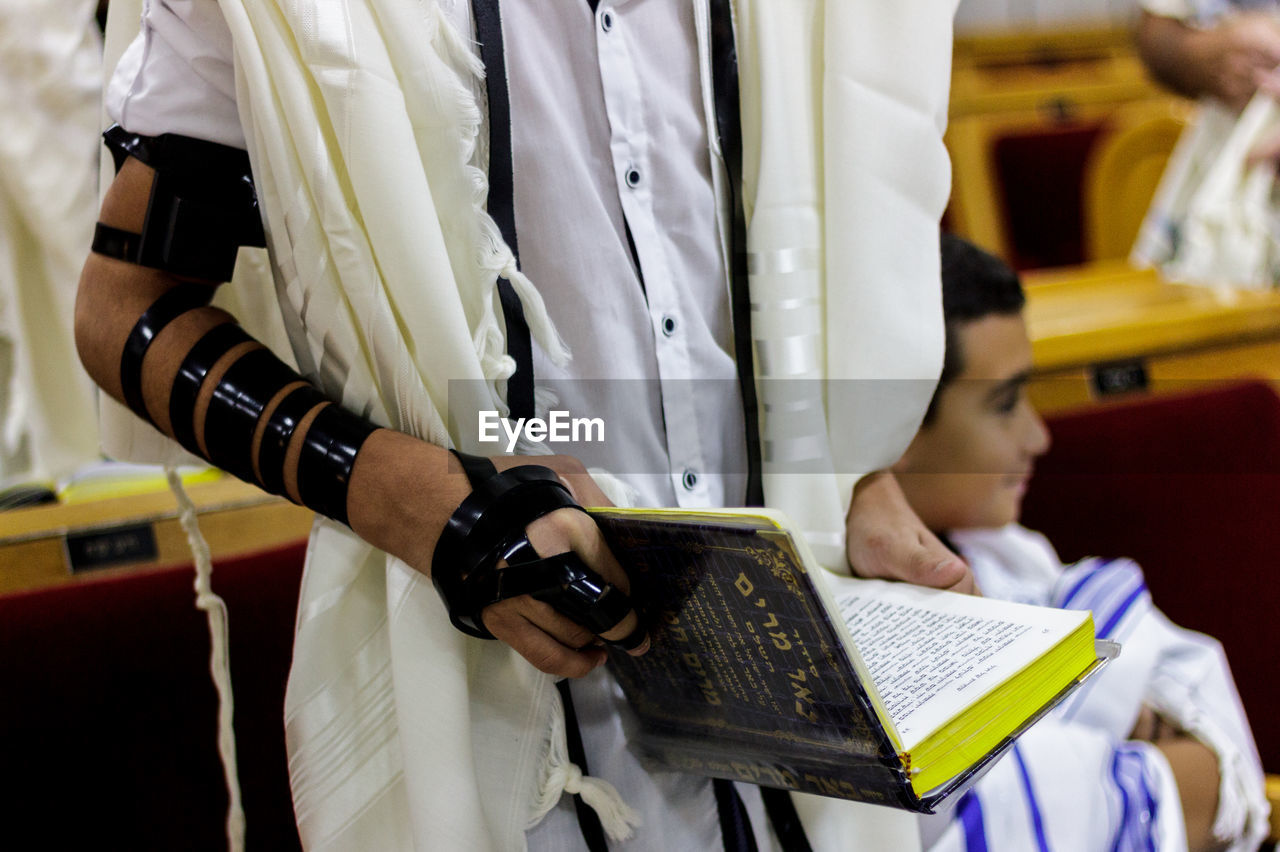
(768, 669)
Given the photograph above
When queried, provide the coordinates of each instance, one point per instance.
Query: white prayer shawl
(360, 117)
(402, 732)
(49, 70)
(845, 178)
(1079, 761)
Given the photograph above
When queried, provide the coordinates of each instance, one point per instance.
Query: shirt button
(689, 480)
(606, 20)
(633, 177)
(668, 325)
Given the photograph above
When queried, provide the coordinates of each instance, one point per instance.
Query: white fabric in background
(1213, 219)
(49, 73)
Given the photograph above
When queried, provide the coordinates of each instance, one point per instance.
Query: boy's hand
(886, 539)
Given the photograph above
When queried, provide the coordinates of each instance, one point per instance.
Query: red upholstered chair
(108, 715)
(1189, 486)
(1040, 177)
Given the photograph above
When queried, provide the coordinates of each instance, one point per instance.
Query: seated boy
(1154, 753)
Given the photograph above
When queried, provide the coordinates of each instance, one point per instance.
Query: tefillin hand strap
(489, 527)
(256, 399)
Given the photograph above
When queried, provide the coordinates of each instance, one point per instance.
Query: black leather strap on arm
(488, 528)
(218, 341)
(164, 310)
(202, 207)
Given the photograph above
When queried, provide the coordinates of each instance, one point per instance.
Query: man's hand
(1227, 62)
(551, 641)
(403, 491)
(1239, 54)
(886, 539)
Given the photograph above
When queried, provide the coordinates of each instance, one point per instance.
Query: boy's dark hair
(975, 284)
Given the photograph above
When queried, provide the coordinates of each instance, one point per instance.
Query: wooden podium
(49, 545)
(1107, 331)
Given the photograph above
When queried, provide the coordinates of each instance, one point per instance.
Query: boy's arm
(400, 492)
(1195, 768)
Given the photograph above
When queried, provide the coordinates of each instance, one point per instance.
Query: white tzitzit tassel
(219, 659)
(560, 776)
(616, 817)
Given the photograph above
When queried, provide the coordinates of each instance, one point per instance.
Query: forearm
(149, 339)
(1195, 770)
(389, 501)
(1227, 61)
(1195, 767)
(1176, 54)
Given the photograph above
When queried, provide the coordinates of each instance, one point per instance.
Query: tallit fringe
(219, 657)
(461, 59)
(561, 776)
(494, 256)
(535, 312)
(1235, 816)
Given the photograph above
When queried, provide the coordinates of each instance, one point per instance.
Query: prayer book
(767, 668)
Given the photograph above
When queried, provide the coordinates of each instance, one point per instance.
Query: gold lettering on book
(756, 635)
(803, 696)
(742, 584)
(705, 683)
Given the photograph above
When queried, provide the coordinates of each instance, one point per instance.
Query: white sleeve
(1192, 686)
(178, 76)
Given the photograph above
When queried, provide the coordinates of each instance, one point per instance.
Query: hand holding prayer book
(767, 668)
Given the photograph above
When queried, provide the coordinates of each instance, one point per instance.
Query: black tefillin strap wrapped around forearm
(489, 527)
(202, 209)
(164, 310)
(238, 402)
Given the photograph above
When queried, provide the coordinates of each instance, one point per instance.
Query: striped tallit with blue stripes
(1075, 782)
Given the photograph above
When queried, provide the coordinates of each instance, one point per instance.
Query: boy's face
(970, 466)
